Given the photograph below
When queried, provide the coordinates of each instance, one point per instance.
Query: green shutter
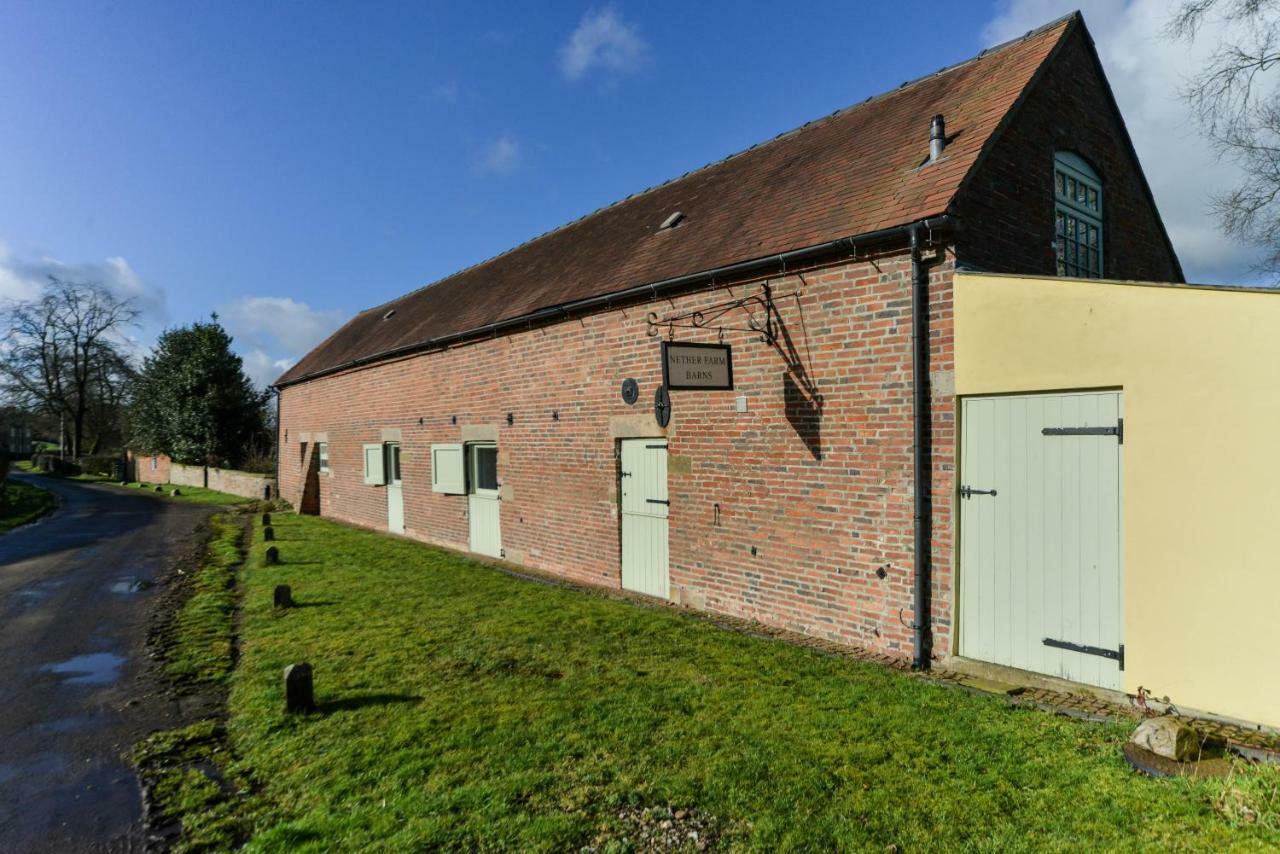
(374, 470)
(448, 470)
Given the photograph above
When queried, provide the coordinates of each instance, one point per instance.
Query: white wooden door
(1039, 501)
(483, 501)
(644, 516)
(395, 492)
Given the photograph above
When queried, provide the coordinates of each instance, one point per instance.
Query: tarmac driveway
(76, 592)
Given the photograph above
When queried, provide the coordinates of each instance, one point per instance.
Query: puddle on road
(40, 765)
(35, 593)
(70, 724)
(130, 586)
(96, 668)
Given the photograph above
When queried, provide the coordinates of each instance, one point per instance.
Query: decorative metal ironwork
(708, 318)
(630, 391)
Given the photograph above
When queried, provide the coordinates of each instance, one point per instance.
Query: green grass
(201, 642)
(189, 494)
(189, 771)
(462, 708)
(24, 503)
(192, 775)
(26, 466)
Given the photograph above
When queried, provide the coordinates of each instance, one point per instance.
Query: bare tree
(1236, 100)
(61, 353)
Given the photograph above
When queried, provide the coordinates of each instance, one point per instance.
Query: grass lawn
(24, 503)
(189, 494)
(463, 708)
(201, 633)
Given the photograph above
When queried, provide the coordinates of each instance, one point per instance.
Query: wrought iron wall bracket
(709, 317)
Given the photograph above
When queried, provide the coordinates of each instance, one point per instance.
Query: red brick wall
(146, 474)
(1007, 210)
(824, 508)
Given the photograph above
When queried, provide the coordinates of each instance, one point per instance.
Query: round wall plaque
(630, 391)
(662, 406)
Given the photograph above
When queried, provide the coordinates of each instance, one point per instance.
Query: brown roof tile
(851, 173)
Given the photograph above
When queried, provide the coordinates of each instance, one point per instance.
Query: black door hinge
(1114, 654)
(1117, 431)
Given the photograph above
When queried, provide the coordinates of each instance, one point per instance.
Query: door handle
(658, 501)
(969, 492)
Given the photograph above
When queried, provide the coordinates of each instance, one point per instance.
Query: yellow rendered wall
(1200, 370)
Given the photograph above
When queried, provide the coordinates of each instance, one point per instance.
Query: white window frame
(322, 454)
(1078, 207)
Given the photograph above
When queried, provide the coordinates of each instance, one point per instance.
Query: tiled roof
(853, 172)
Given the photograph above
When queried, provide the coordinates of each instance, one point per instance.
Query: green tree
(193, 400)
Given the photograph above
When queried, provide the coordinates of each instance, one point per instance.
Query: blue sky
(288, 164)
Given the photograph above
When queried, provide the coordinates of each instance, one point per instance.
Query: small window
(153, 463)
(1077, 193)
(322, 450)
(484, 468)
(393, 463)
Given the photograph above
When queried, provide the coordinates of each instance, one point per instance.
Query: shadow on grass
(364, 701)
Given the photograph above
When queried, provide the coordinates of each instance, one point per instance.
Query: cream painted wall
(1200, 369)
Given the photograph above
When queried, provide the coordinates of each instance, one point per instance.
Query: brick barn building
(518, 408)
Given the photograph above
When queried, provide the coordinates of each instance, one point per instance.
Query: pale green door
(483, 499)
(1039, 501)
(644, 516)
(395, 492)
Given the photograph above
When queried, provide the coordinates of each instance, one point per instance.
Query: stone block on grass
(1168, 737)
(298, 689)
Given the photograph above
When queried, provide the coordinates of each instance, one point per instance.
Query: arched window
(1077, 192)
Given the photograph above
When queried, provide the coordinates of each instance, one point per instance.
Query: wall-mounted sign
(697, 366)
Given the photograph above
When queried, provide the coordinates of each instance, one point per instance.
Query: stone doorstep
(1255, 744)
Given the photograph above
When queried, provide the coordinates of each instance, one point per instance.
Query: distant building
(15, 434)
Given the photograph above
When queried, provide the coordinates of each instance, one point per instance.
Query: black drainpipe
(921, 425)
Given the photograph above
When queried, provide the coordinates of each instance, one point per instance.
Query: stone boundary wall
(242, 483)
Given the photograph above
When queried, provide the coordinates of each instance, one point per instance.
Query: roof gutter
(938, 223)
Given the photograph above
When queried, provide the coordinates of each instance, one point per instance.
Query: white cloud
(23, 277)
(602, 40)
(262, 368)
(271, 333)
(500, 157)
(1146, 71)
